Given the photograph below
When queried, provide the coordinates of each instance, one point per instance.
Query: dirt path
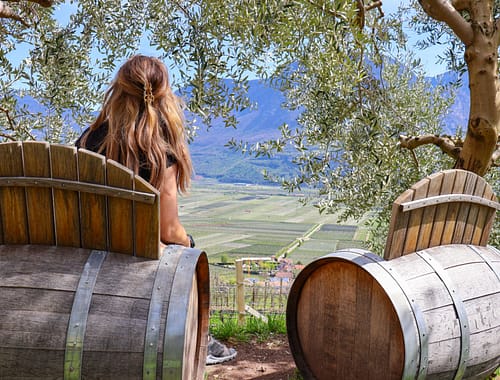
(270, 360)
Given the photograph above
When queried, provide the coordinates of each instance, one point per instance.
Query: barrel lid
(347, 316)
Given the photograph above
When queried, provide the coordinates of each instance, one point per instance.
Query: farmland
(231, 221)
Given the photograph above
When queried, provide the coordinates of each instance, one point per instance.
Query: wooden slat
(482, 235)
(57, 195)
(36, 157)
(453, 208)
(424, 237)
(66, 202)
(120, 211)
(442, 210)
(464, 218)
(439, 199)
(363, 307)
(63, 184)
(189, 367)
(415, 219)
(381, 319)
(93, 210)
(147, 222)
(397, 228)
(472, 219)
(13, 200)
(469, 187)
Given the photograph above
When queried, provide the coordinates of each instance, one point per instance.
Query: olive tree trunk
(480, 35)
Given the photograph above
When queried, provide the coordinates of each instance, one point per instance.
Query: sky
(428, 56)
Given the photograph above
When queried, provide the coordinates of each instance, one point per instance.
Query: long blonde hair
(145, 121)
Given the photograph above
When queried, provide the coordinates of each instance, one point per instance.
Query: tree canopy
(369, 126)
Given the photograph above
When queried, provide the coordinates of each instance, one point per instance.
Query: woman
(141, 125)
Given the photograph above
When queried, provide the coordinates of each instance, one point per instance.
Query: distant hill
(459, 111)
(213, 160)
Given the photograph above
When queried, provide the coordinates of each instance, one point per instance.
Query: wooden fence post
(240, 292)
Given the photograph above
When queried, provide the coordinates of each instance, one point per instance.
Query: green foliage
(62, 73)
(493, 178)
(356, 99)
(223, 327)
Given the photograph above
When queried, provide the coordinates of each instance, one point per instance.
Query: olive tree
(361, 102)
(71, 49)
(364, 104)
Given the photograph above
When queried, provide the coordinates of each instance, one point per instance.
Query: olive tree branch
(11, 124)
(447, 144)
(445, 11)
(7, 12)
(9, 118)
(43, 3)
(460, 5)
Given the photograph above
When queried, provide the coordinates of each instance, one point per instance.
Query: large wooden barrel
(71, 313)
(434, 314)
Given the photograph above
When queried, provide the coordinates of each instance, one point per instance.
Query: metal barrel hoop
(458, 304)
(78, 319)
(164, 274)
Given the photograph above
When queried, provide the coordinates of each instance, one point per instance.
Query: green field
(234, 221)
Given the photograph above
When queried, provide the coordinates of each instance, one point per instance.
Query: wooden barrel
(71, 313)
(434, 314)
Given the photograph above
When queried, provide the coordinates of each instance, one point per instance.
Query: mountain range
(213, 159)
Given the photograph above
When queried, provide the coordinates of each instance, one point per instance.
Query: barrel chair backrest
(449, 207)
(52, 194)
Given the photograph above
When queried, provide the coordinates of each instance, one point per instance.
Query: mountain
(211, 158)
(458, 114)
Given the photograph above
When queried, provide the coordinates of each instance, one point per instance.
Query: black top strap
(96, 138)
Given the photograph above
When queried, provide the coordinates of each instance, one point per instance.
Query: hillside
(213, 160)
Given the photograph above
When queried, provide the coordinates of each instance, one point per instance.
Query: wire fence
(267, 296)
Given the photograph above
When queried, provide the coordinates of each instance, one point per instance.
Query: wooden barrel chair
(85, 289)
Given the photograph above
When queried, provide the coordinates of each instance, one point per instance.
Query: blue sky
(427, 56)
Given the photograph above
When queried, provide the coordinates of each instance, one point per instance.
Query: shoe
(218, 352)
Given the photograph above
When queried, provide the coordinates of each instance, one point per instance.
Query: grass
(495, 375)
(224, 326)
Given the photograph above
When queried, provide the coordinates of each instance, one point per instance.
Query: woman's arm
(171, 229)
